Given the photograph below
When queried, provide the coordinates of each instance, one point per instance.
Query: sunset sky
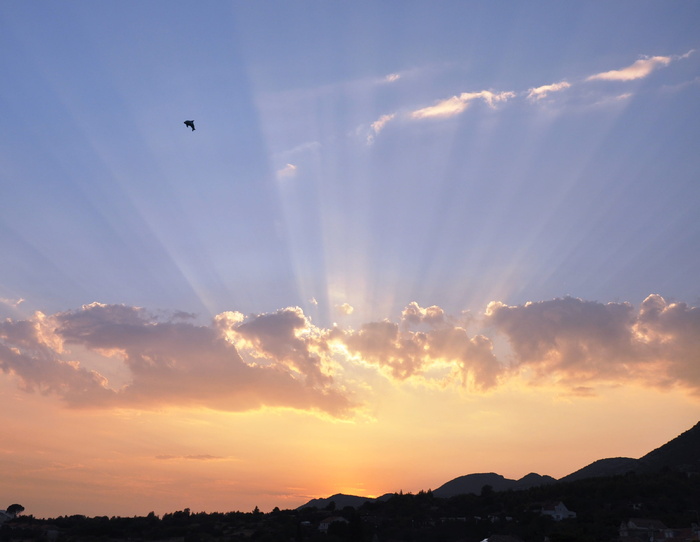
(407, 241)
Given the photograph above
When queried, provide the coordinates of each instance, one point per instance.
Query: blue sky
(518, 176)
(112, 199)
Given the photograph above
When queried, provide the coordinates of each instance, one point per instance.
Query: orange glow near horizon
(133, 462)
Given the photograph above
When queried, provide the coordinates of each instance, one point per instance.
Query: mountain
(681, 453)
(341, 501)
(473, 483)
(603, 467)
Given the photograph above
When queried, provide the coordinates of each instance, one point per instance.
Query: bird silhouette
(190, 124)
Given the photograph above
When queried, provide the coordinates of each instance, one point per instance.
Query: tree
(15, 509)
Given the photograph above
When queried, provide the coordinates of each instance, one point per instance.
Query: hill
(473, 483)
(680, 454)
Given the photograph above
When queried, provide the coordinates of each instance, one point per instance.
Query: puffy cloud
(31, 352)
(345, 308)
(538, 93)
(171, 362)
(281, 359)
(409, 353)
(415, 314)
(580, 342)
(457, 104)
(640, 69)
(286, 337)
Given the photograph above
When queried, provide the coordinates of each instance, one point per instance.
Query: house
(653, 529)
(557, 511)
(326, 523)
(648, 529)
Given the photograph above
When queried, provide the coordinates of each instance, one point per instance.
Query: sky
(406, 241)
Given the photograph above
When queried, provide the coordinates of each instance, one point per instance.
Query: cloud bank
(280, 359)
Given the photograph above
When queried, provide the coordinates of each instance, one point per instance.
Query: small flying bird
(190, 124)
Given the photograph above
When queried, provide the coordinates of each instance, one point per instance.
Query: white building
(557, 511)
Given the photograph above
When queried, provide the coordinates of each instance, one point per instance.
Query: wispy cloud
(14, 303)
(287, 172)
(640, 69)
(198, 457)
(378, 125)
(538, 93)
(457, 104)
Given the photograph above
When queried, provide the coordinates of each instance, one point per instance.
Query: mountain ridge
(680, 453)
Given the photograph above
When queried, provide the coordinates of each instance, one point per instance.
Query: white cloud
(640, 69)
(378, 125)
(345, 308)
(14, 303)
(539, 93)
(392, 77)
(287, 172)
(457, 104)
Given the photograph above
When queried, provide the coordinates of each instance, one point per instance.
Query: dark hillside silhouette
(680, 454)
(474, 483)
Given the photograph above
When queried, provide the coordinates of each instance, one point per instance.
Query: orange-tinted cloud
(171, 363)
(579, 342)
(638, 70)
(281, 359)
(457, 104)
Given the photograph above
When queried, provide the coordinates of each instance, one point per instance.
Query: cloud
(198, 457)
(411, 353)
(581, 342)
(415, 314)
(378, 125)
(288, 171)
(171, 363)
(14, 303)
(392, 77)
(345, 308)
(287, 338)
(457, 104)
(280, 359)
(538, 93)
(640, 69)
